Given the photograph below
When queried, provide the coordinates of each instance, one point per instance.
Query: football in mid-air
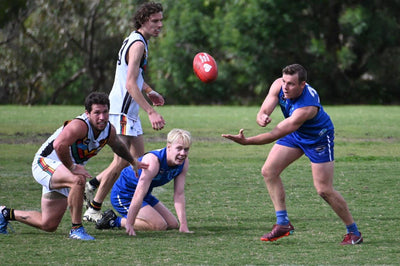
(205, 67)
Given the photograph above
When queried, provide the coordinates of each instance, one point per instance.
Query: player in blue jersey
(132, 196)
(59, 166)
(307, 129)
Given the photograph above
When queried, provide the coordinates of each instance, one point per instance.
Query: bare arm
(154, 96)
(284, 128)
(76, 129)
(134, 57)
(179, 198)
(119, 147)
(269, 104)
(141, 190)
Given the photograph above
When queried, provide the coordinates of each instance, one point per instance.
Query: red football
(205, 67)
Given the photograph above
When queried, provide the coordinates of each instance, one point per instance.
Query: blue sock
(118, 222)
(352, 228)
(282, 217)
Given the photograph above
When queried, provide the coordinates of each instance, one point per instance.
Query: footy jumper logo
(81, 152)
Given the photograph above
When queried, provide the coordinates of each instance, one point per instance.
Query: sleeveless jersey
(83, 149)
(314, 129)
(127, 181)
(121, 101)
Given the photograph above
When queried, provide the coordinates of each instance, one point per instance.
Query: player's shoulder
(76, 127)
(276, 86)
(77, 123)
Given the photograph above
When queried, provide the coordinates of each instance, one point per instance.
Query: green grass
(228, 206)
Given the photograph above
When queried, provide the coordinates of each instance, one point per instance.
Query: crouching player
(59, 166)
(131, 195)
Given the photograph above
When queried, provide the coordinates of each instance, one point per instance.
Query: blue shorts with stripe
(319, 152)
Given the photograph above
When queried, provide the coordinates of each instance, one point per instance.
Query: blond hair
(182, 135)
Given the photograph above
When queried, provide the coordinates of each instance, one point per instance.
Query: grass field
(228, 206)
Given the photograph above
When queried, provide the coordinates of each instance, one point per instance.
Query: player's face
(177, 153)
(98, 117)
(292, 87)
(153, 26)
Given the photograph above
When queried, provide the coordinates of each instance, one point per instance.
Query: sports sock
(352, 228)
(94, 182)
(76, 226)
(282, 217)
(118, 222)
(95, 205)
(8, 214)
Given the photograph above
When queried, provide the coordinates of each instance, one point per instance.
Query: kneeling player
(131, 195)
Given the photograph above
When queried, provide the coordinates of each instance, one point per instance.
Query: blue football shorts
(319, 152)
(121, 203)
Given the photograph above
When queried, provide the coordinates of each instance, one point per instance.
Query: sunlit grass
(228, 206)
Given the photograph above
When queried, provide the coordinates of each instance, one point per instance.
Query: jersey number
(313, 92)
(122, 51)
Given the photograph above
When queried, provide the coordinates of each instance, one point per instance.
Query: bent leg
(148, 219)
(63, 178)
(323, 182)
(172, 222)
(278, 159)
(48, 220)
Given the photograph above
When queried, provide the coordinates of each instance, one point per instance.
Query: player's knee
(153, 225)
(79, 181)
(159, 225)
(173, 225)
(49, 227)
(324, 193)
(268, 173)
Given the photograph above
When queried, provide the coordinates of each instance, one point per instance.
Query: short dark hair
(96, 98)
(144, 12)
(296, 69)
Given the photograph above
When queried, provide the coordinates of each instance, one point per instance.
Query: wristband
(148, 90)
(153, 92)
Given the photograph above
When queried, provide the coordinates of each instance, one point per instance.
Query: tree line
(56, 52)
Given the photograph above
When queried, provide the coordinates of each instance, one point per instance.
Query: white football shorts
(126, 126)
(43, 169)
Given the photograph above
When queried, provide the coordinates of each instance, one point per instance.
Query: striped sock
(95, 205)
(8, 214)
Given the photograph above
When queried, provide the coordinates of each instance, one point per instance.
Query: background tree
(58, 51)
(61, 50)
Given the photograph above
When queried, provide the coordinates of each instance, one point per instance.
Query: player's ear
(302, 84)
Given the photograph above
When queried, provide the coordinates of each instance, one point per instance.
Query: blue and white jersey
(127, 181)
(314, 129)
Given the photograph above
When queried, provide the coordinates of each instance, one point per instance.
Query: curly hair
(96, 98)
(144, 12)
